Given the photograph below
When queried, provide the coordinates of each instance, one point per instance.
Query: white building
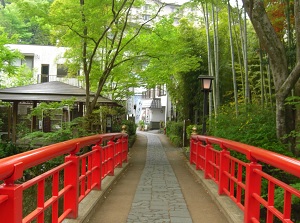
(46, 62)
(150, 8)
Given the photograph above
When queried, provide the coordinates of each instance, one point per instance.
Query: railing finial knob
(124, 129)
(194, 130)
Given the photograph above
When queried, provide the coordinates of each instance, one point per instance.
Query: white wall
(158, 115)
(50, 55)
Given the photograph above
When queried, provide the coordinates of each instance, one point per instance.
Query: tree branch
(116, 15)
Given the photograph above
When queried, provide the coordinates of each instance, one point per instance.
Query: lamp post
(206, 83)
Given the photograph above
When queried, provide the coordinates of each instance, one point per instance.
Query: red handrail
(34, 157)
(81, 172)
(242, 181)
(279, 161)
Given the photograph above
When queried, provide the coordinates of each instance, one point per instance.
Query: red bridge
(236, 169)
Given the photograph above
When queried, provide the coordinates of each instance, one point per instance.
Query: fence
(87, 161)
(243, 179)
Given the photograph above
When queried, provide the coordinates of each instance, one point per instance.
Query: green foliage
(11, 75)
(39, 139)
(7, 56)
(74, 25)
(22, 76)
(130, 127)
(9, 149)
(50, 109)
(141, 124)
(293, 100)
(280, 198)
(253, 126)
(78, 128)
(27, 20)
(175, 132)
(4, 107)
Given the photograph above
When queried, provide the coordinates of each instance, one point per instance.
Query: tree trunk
(3, 3)
(269, 83)
(216, 54)
(247, 90)
(297, 87)
(283, 81)
(232, 60)
(209, 53)
(242, 38)
(262, 93)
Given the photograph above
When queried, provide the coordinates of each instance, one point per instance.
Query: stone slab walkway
(159, 185)
(158, 197)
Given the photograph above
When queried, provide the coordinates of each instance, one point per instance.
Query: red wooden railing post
(208, 158)
(112, 152)
(11, 210)
(96, 165)
(197, 154)
(71, 178)
(125, 149)
(224, 167)
(253, 186)
(118, 151)
(192, 148)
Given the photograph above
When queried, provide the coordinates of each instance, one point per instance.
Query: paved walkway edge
(90, 203)
(224, 203)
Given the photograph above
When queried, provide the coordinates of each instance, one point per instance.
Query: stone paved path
(150, 193)
(158, 196)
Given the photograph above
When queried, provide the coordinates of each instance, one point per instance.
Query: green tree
(177, 65)
(28, 20)
(7, 56)
(100, 35)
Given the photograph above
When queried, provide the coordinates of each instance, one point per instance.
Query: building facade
(47, 63)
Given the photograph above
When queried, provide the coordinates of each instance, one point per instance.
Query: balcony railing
(41, 78)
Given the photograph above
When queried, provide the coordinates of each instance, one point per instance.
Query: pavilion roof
(49, 91)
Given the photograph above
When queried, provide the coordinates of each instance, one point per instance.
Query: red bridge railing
(243, 181)
(87, 162)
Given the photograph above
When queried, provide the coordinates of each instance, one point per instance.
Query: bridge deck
(159, 185)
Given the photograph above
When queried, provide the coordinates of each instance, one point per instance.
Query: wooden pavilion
(44, 92)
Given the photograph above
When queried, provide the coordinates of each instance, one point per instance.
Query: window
(146, 7)
(62, 70)
(161, 90)
(146, 17)
(28, 61)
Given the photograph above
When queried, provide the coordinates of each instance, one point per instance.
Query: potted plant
(141, 125)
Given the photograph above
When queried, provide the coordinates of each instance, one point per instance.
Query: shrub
(130, 128)
(253, 126)
(175, 132)
(9, 149)
(39, 139)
